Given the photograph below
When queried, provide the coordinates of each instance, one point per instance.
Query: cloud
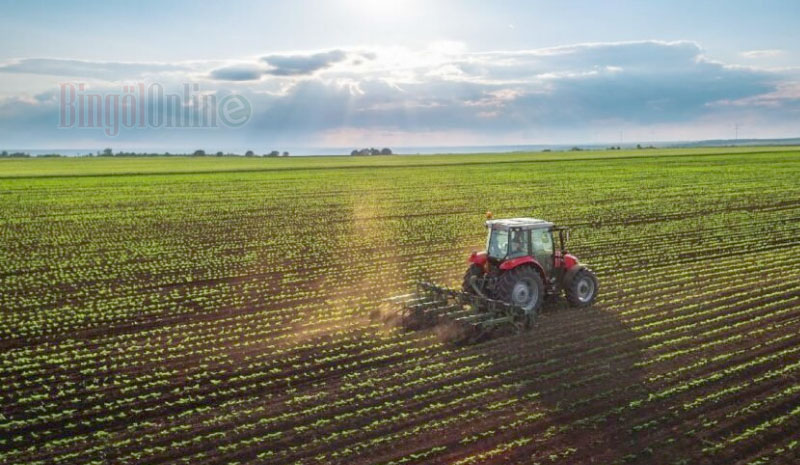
(784, 93)
(237, 73)
(297, 65)
(88, 69)
(571, 92)
(762, 53)
(291, 65)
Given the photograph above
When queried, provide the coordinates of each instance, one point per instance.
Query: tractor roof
(522, 223)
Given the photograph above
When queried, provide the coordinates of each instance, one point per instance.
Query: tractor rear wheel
(523, 287)
(582, 290)
(473, 271)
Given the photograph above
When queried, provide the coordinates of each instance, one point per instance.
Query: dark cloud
(289, 65)
(237, 73)
(298, 65)
(637, 96)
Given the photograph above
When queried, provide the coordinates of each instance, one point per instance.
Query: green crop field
(220, 310)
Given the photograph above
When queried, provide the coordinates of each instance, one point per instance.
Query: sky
(266, 75)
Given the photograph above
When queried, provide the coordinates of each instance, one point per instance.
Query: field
(208, 311)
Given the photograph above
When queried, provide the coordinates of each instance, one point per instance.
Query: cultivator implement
(458, 316)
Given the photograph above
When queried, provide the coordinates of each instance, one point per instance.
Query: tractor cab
(521, 237)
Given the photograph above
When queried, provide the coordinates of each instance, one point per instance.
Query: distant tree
(285, 154)
(355, 153)
(249, 153)
(546, 150)
(274, 153)
(219, 154)
(575, 149)
(4, 154)
(199, 153)
(107, 152)
(374, 151)
(639, 146)
(386, 151)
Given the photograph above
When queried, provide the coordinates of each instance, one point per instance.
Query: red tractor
(522, 266)
(504, 286)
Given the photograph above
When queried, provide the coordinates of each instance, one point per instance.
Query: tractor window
(542, 241)
(519, 243)
(498, 244)
(543, 247)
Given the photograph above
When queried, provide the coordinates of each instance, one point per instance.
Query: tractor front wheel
(523, 287)
(582, 290)
(475, 271)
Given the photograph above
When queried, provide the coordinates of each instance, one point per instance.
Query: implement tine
(458, 316)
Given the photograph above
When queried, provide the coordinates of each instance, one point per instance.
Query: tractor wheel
(523, 287)
(582, 290)
(473, 270)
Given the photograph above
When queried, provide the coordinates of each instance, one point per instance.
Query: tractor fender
(570, 261)
(570, 274)
(520, 261)
(477, 258)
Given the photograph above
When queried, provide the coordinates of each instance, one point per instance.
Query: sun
(384, 10)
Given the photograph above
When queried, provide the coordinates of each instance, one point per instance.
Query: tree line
(6, 154)
(371, 151)
(197, 153)
(108, 152)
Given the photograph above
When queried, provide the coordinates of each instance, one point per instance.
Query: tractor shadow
(580, 366)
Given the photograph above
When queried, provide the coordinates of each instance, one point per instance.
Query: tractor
(521, 266)
(505, 285)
